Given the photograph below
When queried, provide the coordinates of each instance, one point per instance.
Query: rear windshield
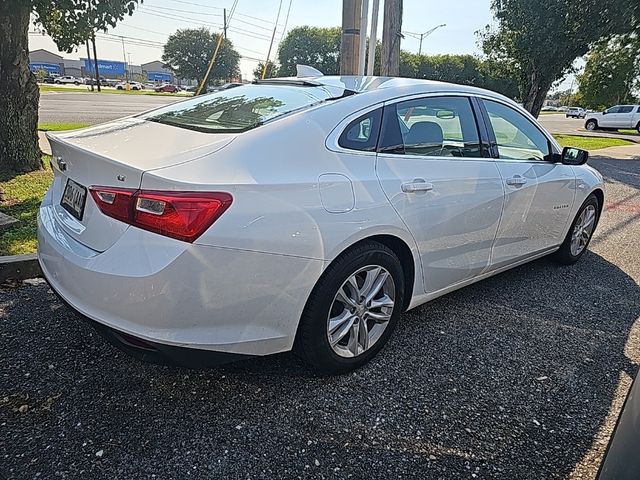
(237, 109)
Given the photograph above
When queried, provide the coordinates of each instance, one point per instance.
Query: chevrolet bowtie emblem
(62, 165)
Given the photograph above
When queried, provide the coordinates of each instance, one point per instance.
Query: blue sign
(159, 76)
(47, 67)
(105, 67)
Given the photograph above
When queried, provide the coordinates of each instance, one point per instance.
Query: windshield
(237, 109)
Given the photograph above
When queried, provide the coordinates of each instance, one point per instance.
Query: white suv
(615, 118)
(576, 112)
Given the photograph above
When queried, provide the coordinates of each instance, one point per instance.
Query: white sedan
(302, 213)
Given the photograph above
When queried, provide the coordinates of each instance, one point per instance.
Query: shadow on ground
(509, 378)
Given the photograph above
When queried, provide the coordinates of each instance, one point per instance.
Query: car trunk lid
(115, 154)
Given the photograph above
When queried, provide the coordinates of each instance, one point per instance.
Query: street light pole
(422, 36)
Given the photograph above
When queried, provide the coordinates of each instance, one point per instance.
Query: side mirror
(605, 112)
(574, 156)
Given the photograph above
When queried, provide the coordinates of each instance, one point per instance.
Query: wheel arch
(402, 250)
(599, 193)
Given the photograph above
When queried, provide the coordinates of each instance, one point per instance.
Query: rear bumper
(157, 353)
(176, 294)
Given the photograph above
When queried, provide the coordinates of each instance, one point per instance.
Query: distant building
(52, 63)
(73, 67)
(157, 72)
(106, 68)
(45, 60)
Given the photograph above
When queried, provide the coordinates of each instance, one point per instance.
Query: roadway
(94, 108)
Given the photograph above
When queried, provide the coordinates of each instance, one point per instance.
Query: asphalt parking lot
(520, 376)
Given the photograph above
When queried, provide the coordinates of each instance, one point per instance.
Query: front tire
(580, 233)
(352, 310)
(591, 125)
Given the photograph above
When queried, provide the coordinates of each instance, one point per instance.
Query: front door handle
(418, 185)
(516, 181)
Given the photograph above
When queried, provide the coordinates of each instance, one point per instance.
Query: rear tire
(638, 127)
(579, 235)
(337, 334)
(591, 125)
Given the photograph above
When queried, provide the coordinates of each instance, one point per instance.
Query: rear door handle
(418, 185)
(516, 180)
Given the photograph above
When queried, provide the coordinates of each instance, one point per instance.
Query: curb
(19, 267)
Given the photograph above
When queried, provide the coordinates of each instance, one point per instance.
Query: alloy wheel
(582, 230)
(361, 311)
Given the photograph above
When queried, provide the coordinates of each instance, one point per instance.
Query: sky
(252, 25)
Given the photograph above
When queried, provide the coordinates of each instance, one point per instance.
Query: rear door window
(238, 109)
(433, 127)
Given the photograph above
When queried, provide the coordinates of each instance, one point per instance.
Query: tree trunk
(536, 92)
(19, 94)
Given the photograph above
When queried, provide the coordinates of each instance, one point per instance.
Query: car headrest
(424, 133)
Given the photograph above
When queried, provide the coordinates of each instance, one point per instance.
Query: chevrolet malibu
(302, 214)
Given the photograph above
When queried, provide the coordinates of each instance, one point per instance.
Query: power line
(185, 2)
(197, 4)
(143, 29)
(183, 11)
(286, 21)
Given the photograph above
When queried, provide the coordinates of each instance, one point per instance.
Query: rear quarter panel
(273, 174)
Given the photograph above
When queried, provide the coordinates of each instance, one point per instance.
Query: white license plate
(73, 198)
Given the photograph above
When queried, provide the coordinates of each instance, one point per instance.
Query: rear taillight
(181, 215)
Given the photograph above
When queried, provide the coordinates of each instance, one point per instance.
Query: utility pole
(124, 59)
(363, 36)
(273, 36)
(371, 60)
(95, 60)
(89, 62)
(391, 35)
(224, 18)
(350, 45)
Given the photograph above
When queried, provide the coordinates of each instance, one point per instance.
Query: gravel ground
(521, 376)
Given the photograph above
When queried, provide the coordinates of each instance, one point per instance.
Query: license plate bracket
(74, 198)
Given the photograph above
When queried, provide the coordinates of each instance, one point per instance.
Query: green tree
(612, 73)
(461, 69)
(69, 23)
(539, 40)
(316, 47)
(41, 74)
(272, 70)
(189, 51)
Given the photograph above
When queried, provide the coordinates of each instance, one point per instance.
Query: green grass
(23, 195)
(86, 89)
(56, 127)
(634, 132)
(590, 143)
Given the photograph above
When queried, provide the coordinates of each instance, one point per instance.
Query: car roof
(382, 88)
